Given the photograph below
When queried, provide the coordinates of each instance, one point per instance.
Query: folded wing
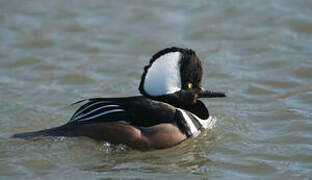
(101, 110)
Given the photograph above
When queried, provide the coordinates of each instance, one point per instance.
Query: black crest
(190, 68)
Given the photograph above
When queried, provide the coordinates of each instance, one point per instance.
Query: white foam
(163, 77)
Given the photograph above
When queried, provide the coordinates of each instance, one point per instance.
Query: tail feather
(53, 132)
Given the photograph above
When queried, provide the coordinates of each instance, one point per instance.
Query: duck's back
(136, 110)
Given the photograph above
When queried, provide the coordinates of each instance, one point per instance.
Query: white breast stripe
(103, 113)
(99, 108)
(101, 102)
(206, 123)
(189, 122)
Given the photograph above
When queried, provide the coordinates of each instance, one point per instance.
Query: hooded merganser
(168, 112)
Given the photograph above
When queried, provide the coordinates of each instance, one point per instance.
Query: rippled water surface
(53, 53)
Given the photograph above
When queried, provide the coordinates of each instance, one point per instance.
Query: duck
(167, 112)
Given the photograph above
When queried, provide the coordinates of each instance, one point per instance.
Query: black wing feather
(100, 110)
(135, 110)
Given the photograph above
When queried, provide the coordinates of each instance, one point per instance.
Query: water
(53, 53)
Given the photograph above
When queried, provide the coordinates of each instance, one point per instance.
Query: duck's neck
(186, 101)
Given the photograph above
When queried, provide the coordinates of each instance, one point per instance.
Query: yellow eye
(189, 85)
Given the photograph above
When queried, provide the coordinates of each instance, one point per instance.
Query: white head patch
(163, 77)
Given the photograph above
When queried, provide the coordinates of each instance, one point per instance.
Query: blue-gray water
(53, 53)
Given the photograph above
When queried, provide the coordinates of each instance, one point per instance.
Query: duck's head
(173, 71)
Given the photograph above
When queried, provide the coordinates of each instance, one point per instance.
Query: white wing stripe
(101, 102)
(102, 107)
(103, 113)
